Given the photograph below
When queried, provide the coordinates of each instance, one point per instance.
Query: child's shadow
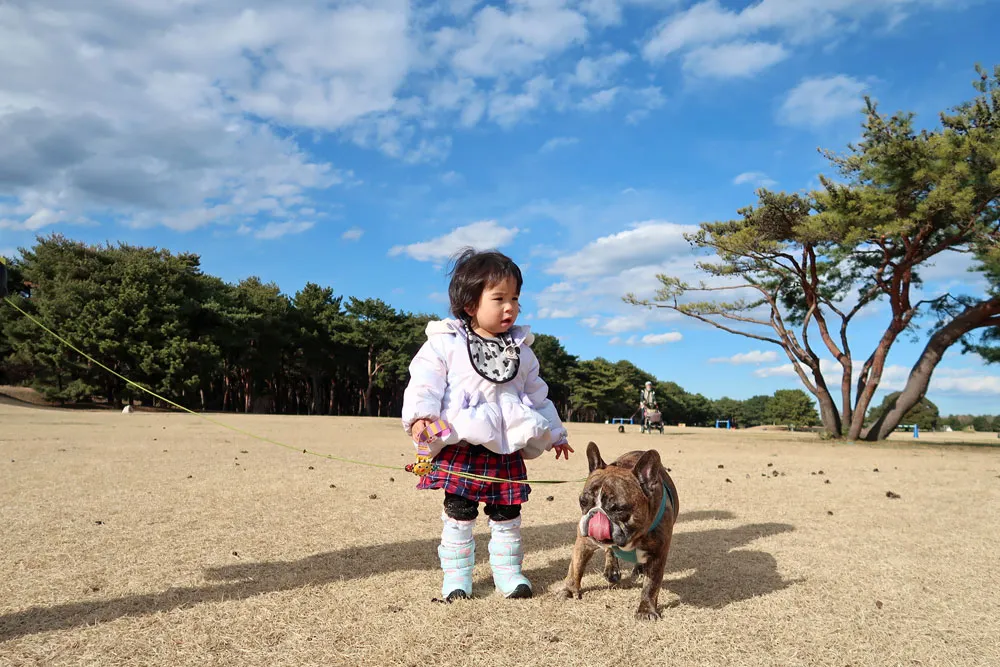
(723, 572)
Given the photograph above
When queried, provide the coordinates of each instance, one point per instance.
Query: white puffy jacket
(504, 418)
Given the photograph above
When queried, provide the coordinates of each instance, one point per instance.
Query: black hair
(472, 272)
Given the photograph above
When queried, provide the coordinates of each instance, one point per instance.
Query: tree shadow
(722, 575)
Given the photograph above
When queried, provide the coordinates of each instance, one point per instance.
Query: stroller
(651, 419)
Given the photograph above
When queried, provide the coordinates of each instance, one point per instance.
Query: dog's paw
(646, 615)
(647, 612)
(613, 574)
(568, 592)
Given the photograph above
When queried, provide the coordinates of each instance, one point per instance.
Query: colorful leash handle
(423, 465)
(433, 431)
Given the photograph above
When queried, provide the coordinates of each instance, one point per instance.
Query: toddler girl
(477, 373)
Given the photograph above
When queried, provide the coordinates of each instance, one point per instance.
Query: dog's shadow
(721, 575)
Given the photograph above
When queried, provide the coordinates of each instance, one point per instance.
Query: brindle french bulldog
(629, 509)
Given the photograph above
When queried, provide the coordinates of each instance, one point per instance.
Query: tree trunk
(865, 395)
(372, 370)
(316, 405)
(828, 412)
(846, 385)
(982, 314)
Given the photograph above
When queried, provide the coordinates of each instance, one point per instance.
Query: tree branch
(739, 318)
(709, 321)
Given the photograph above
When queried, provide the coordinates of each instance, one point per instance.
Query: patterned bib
(495, 359)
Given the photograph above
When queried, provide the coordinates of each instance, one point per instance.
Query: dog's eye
(618, 512)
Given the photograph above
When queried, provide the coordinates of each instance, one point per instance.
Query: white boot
(506, 556)
(457, 552)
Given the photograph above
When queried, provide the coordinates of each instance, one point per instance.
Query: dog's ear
(594, 459)
(647, 470)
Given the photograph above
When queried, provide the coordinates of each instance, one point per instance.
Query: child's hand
(563, 449)
(418, 427)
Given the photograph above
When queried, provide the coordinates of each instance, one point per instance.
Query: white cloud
(794, 22)
(508, 108)
(956, 381)
(602, 12)
(623, 323)
(821, 100)
(609, 12)
(508, 42)
(558, 142)
(951, 268)
(484, 234)
(828, 367)
(703, 22)
(734, 60)
(646, 242)
(190, 114)
(602, 99)
(557, 313)
(649, 340)
(632, 319)
(600, 71)
(756, 178)
(966, 381)
(143, 115)
(604, 270)
(36, 219)
(452, 178)
(752, 357)
(662, 338)
(352, 234)
(646, 100)
(275, 230)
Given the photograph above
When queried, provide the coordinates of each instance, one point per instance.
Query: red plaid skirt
(479, 461)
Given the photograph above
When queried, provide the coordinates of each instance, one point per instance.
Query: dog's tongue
(599, 527)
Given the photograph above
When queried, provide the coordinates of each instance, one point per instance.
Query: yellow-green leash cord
(483, 478)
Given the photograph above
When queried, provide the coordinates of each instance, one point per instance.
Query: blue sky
(357, 144)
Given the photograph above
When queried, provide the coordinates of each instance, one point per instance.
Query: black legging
(463, 509)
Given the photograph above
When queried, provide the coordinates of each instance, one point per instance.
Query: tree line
(155, 317)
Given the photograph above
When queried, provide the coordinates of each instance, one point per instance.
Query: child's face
(497, 309)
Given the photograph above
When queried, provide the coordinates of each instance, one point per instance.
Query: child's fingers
(418, 428)
(564, 450)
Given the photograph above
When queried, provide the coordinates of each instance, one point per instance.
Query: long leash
(421, 468)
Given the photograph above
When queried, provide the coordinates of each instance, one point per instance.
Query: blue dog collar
(629, 556)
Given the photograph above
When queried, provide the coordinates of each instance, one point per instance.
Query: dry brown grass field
(162, 539)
